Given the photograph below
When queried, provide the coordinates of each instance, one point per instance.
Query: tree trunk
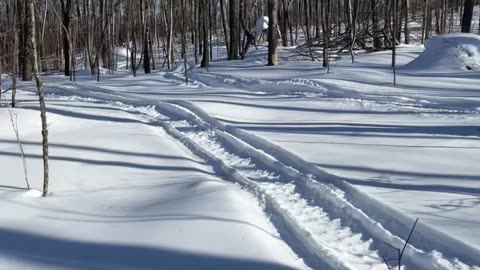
(394, 44)
(377, 41)
(170, 37)
(43, 113)
(406, 10)
(424, 21)
(204, 17)
(27, 45)
(66, 18)
(306, 6)
(467, 16)
(14, 56)
(285, 23)
(184, 41)
(272, 33)
(326, 33)
(225, 25)
(146, 50)
(234, 30)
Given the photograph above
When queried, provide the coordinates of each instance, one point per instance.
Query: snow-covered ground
(328, 167)
(124, 195)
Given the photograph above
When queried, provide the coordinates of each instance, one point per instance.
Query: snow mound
(450, 52)
(33, 193)
(260, 26)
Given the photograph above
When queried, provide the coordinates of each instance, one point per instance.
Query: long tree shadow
(72, 114)
(464, 177)
(111, 163)
(366, 129)
(72, 254)
(7, 187)
(105, 150)
(418, 187)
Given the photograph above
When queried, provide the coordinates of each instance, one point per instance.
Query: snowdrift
(450, 52)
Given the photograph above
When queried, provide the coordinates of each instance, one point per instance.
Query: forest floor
(248, 167)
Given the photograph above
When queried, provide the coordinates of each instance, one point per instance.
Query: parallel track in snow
(321, 241)
(315, 219)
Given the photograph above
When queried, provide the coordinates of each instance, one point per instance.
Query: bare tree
(205, 44)
(30, 11)
(272, 33)
(467, 16)
(26, 44)
(233, 53)
(66, 19)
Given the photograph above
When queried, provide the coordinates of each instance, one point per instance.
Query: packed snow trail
(331, 245)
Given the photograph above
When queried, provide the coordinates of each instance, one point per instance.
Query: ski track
(315, 219)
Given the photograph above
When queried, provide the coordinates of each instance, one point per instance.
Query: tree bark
(326, 33)
(27, 45)
(14, 56)
(225, 25)
(66, 19)
(377, 41)
(306, 8)
(406, 10)
(43, 113)
(234, 30)
(467, 16)
(170, 36)
(146, 50)
(205, 15)
(272, 33)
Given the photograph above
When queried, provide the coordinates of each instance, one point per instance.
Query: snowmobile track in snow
(316, 218)
(323, 243)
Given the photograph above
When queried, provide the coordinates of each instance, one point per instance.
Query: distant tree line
(152, 31)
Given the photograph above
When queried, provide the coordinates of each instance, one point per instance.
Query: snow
(251, 167)
(396, 144)
(444, 53)
(260, 26)
(124, 195)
